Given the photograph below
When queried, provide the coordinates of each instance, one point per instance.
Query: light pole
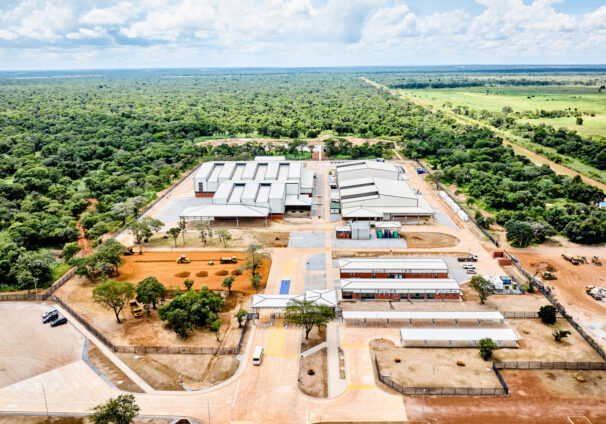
(423, 407)
(36, 287)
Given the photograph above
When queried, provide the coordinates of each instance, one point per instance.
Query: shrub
(547, 314)
(222, 272)
(182, 274)
(236, 271)
(202, 274)
(487, 346)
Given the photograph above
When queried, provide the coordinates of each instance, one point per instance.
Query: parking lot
(28, 347)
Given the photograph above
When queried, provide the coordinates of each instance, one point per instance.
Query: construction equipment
(597, 293)
(129, 251)
(135, 309)
(546, 275)
(596, 261)
(183, 260)
(572, 260)
(589, 288)
(228, 260)
(581, 259)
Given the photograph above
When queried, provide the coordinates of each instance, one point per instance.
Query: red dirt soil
(530, 402)
(164, 266)
(85, 243)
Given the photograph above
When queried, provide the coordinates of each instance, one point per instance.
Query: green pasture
(593, 126)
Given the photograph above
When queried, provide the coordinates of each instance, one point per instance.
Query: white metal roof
(358, 212)
(354, 264)
(480, 315)
(389, 224)
(296, 200)
(223, 211)
(271, 301)
(397, 284)
(459, 334)
(269, 158)
(322, 297)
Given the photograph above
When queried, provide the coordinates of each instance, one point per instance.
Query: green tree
(223, 236)
(559, 335)
(206, 234)
(122, 211)
(114, 295)
(579, 120)
(227, 282)
(144, 228)
(150, 291)
(188, 284)
(240, 315)
(255, 281)
(119, 410)
(308, 314)
(183, 227)
(487, 346)
(483, 287)
(520, 234)
(179, 322)
(435, 177)
(103, 263)
(215, 326)
(547, 314)
(174, 233)
(70, 250)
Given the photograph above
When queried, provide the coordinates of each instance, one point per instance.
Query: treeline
(491, 174)
(341, 147)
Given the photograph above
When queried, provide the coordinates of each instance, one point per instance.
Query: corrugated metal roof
(224, 211)
(347, 264)
(404, 284)
(458, 315)
(458, 334)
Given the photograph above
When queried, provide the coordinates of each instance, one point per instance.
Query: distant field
(593, 126)
(551, 97)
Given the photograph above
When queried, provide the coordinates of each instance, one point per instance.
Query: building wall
(204, 194)
(410, 296)
(391, 275)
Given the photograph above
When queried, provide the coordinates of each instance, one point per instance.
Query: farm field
(593, 126)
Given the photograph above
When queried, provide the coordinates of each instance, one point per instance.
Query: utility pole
(36, 289)
(208, 405)
(45, 401)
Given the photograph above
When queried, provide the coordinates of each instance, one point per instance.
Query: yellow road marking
(354, 345)
(276, 340)
(361, 386)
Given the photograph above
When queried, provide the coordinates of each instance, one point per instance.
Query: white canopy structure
(457, 337)
(280, 301)
(456, 316)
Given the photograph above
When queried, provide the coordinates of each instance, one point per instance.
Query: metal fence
(43, 296)
(538, 365)
(444, 391)
(471, 218)
(546, 291)
(149, 349)
(501, 379)
(249, 316)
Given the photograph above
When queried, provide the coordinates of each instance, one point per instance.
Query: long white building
(359, 169)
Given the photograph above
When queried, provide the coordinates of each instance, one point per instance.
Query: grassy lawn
(593, 126)
(60, 269)
(528, 98)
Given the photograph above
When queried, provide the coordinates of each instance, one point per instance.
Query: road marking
(276, 341)
(282, 355)
(361, 386)
(233, 403)
(287, 269)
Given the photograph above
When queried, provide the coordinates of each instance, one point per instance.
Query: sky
(94, 34)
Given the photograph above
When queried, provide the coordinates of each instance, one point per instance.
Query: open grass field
(593, 126)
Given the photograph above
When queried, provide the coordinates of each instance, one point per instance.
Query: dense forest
(120, 137)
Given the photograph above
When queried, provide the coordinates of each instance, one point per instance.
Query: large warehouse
(260, 189)
(382, 199)
(392, 268)
(361, 169)
(296, 180)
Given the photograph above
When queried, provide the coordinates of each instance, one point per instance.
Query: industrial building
(392, 268)
(457, 337)
(360, 169)
(400, 289)
(382, 199)
(267, 188)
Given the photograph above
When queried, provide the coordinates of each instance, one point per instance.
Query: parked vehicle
(135, 309)
(469, 266)
(58, 321)
(596, 261)
(228, 260)
(472, 271)
(183, 260)
(50, 316)
(472, 258)
(129, 251)
(573, 261)
(257, 355)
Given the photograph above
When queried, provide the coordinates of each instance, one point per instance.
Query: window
(430, 295)
(418, 296)
(200, 186)
(347, 295)
(367, 296)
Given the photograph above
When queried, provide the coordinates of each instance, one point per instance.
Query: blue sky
(74, 34)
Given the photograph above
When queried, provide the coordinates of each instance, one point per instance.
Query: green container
(395, 234)
(379, 233)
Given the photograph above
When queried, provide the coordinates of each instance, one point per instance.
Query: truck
(183, 260)
(596, 261)
(472, 258)
(135, 309)
(228, 260)
(420, 170)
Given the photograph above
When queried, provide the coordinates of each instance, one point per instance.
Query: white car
(469, 266)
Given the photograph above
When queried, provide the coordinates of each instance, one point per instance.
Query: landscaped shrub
(236, 271)
(182, 274)
(222, 272)
(202, 274)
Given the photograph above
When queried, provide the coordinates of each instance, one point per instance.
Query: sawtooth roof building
(359, 169)
(265, 188)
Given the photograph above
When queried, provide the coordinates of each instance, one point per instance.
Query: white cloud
(113, 15)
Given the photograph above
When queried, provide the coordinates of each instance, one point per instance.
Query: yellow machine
(228, 260)
(546, 275)
(183, 260)
(589, 288)
(129, 251)
(596, 261)
(135, 309)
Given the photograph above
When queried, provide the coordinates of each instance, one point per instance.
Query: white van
(258, 355)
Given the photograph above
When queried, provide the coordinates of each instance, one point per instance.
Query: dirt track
(164, 267)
